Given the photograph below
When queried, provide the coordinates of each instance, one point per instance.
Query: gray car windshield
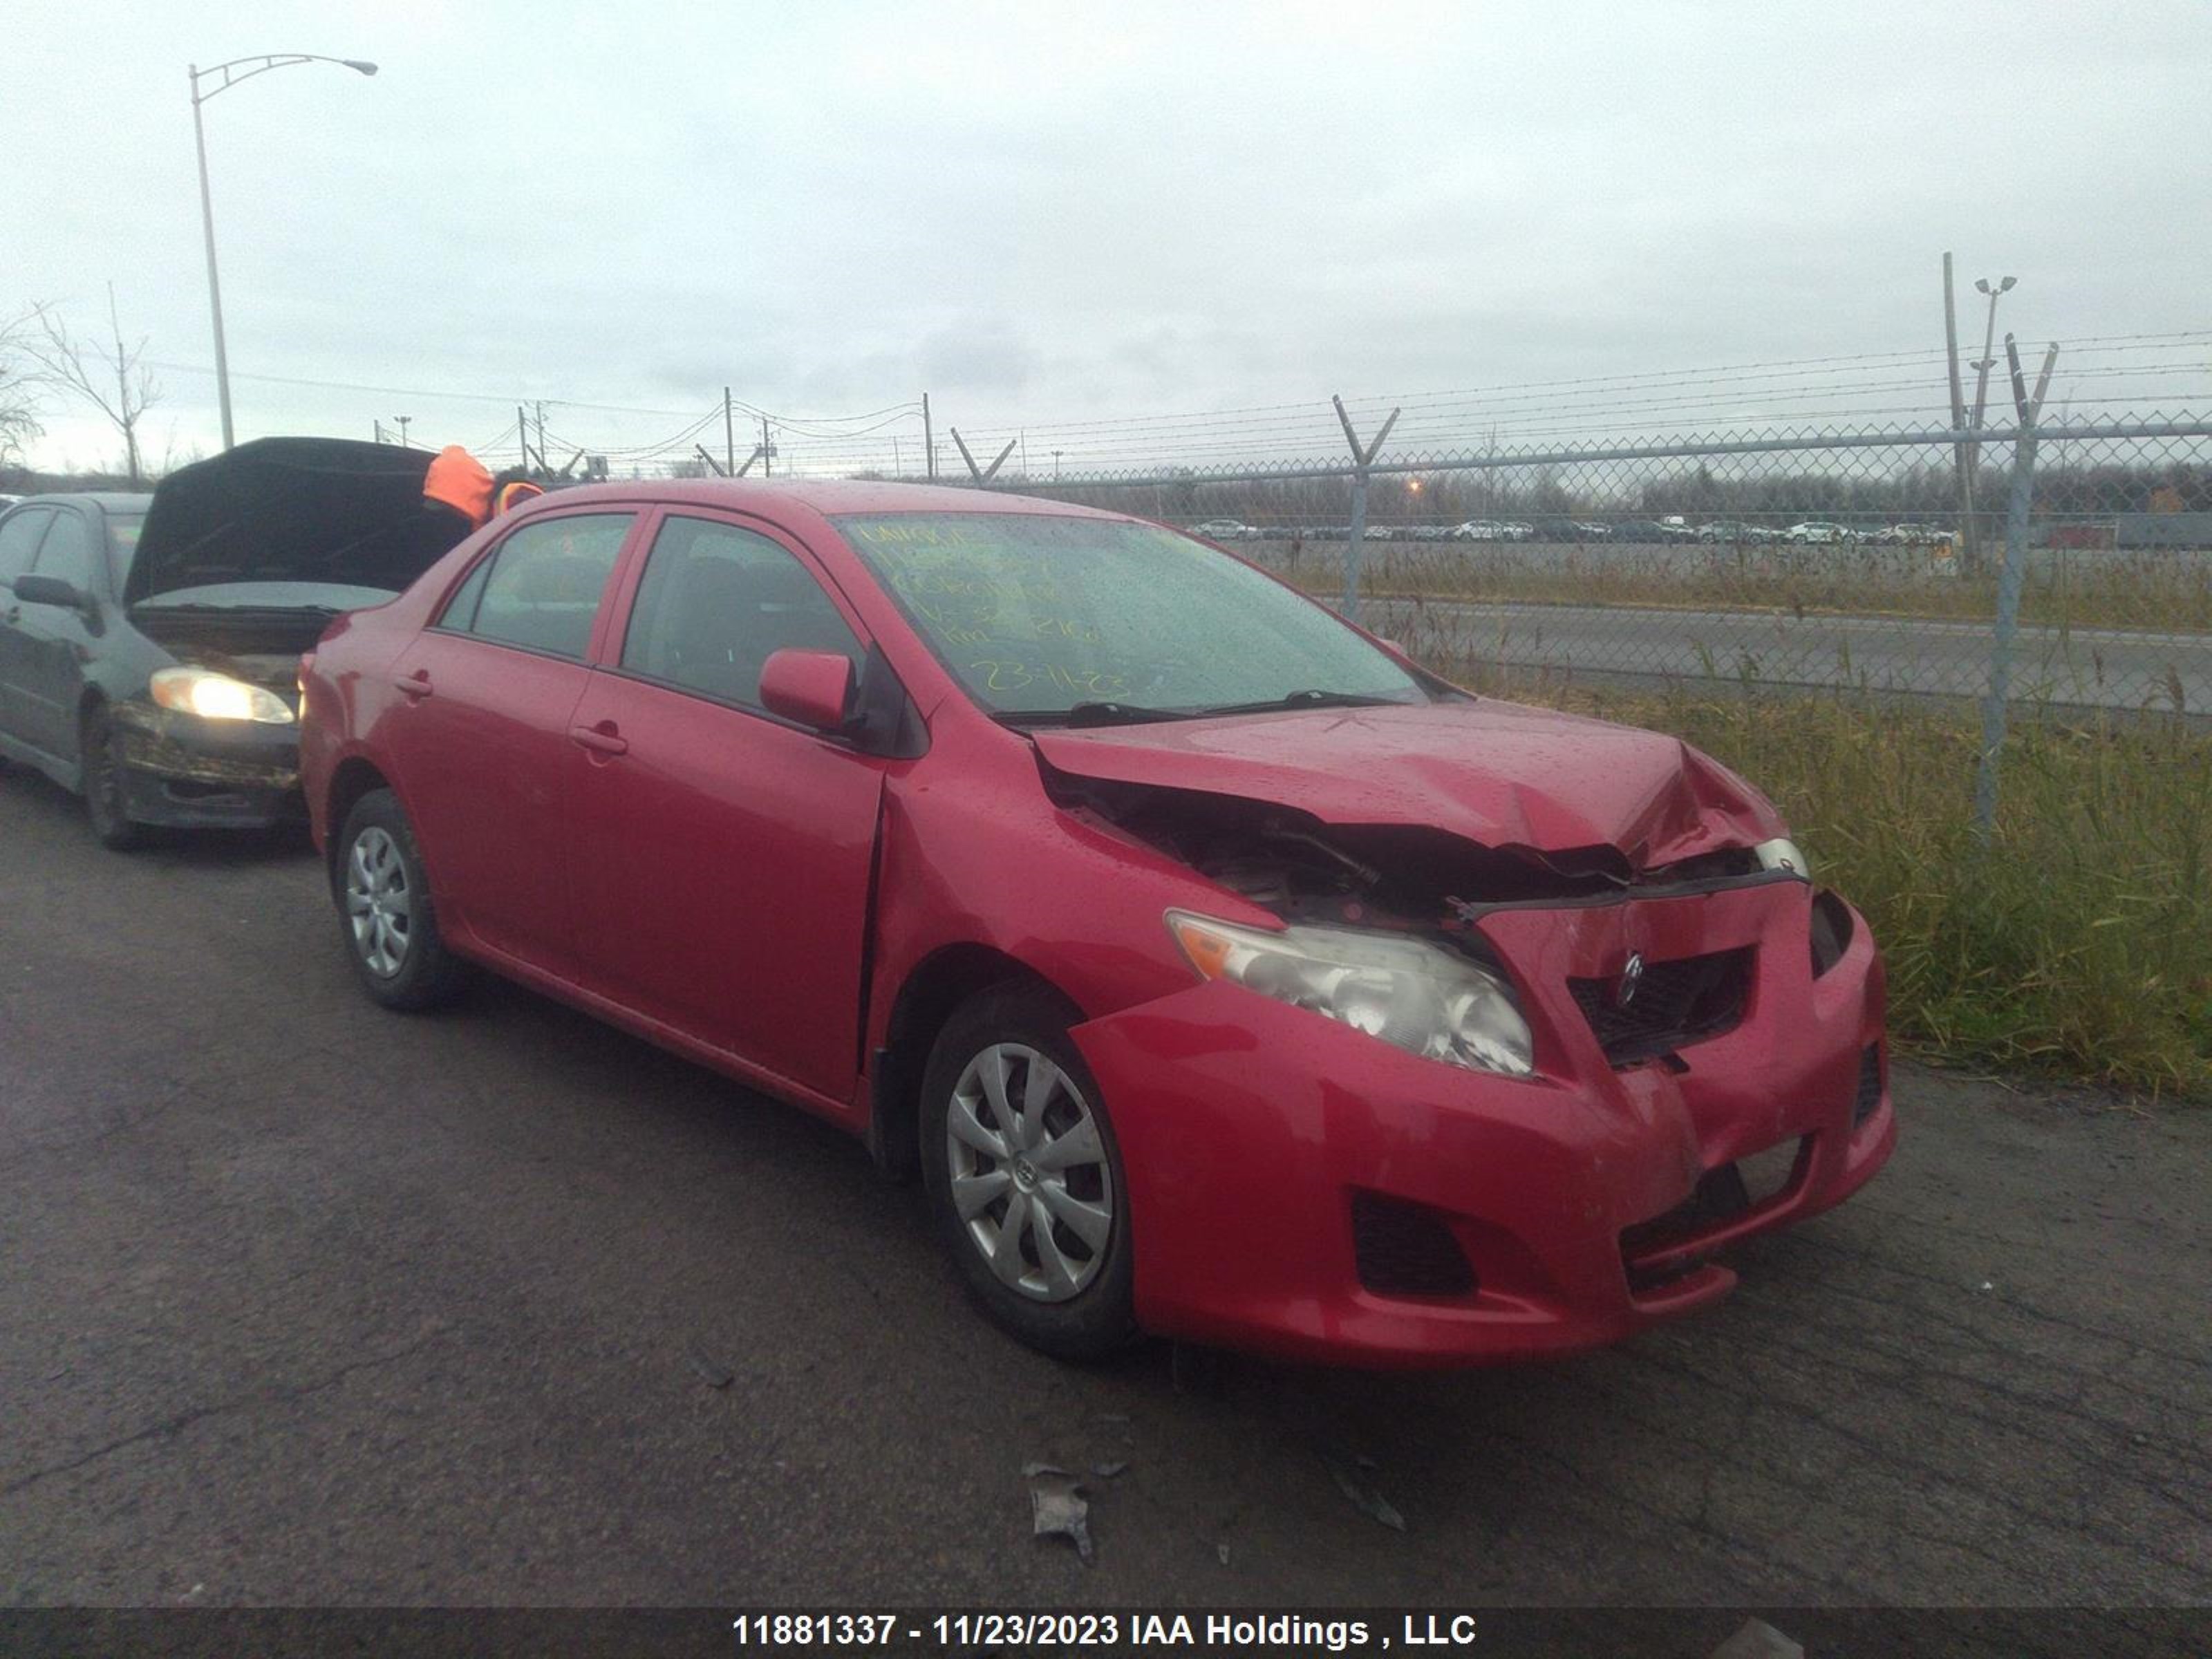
(1048, 617)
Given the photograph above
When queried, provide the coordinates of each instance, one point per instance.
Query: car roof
(828, 496)
(108, 500)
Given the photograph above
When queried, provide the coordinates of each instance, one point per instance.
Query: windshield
(1044, 616)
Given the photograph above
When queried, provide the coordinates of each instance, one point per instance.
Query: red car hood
(1506, 776)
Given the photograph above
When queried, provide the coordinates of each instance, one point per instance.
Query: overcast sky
(1051, 213)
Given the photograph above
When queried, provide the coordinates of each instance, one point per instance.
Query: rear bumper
(189, 773)
(1249, 1128)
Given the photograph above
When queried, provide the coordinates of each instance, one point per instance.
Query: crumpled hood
(1508, 777)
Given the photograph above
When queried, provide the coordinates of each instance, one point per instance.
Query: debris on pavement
(1222, 1550)
(1057, 1508)
(711, 1372)
(1757, 1639)
(1108, 1471)
(1351, 1474)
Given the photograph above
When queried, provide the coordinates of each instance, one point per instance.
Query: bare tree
(19, 390)
(87, 370)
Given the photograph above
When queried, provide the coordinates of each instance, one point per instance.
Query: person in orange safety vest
(457, 481)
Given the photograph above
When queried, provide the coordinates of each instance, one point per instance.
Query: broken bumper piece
(190, 773)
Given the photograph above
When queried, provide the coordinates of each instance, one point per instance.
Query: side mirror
(52, 590)
(811, 688)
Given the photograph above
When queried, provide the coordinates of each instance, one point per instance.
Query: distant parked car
(1818, 531)
(1482, 530)
(1224, 530)
(1911, 535)
(1728, 530)
(157, 675)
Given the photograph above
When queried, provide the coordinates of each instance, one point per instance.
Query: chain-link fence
(1790, 561)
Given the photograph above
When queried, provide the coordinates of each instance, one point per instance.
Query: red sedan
(1224, 974)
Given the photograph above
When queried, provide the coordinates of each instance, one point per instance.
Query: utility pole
(928, 438)
(402, 421)
(379, 431)
(729, 435)
(1055, 466)
(768, 452)
(522, 434)
(899, 467)
(542, 466)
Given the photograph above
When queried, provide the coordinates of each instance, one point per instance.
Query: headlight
(215, 696)
(1782, 854)
(1420, 997)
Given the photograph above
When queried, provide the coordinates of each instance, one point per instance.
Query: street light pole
(262, 65)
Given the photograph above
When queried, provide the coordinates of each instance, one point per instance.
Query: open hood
(1507, 777)
(293, 510)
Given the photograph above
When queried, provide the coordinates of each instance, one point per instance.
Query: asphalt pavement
(302, 1302)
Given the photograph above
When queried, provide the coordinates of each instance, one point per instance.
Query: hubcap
(379, 905)
(1030, 1177)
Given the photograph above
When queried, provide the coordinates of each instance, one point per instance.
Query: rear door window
(543, 586)
(19, 539)
(716, 601)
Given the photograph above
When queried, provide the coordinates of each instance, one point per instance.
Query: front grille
(1676, 1003)
(1869, 1095)
(1402, 1249)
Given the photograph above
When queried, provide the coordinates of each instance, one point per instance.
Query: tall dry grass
(2078, 943)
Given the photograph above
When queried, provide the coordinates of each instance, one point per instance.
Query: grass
(2078, 944)
(2164, 591)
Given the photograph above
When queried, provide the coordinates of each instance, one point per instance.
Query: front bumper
(189, 773)
(1580, 1198)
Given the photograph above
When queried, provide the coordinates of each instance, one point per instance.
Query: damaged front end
(1644, 1062)
(215, 740)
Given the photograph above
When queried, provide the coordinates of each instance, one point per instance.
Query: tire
(1064, 1292)
(385, 914)
(106, 802)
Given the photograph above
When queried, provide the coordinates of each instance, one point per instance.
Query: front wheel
(390, 924)
(1025, 1176)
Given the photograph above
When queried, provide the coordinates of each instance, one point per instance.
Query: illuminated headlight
(215, 696)
(1782, 854)
(1418, 996)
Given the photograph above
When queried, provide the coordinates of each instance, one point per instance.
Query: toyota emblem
(1632, 976)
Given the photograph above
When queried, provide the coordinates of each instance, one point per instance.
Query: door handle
(601, 739)
(416, 684)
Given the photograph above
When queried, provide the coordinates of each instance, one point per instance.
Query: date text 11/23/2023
(1245, 1630)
